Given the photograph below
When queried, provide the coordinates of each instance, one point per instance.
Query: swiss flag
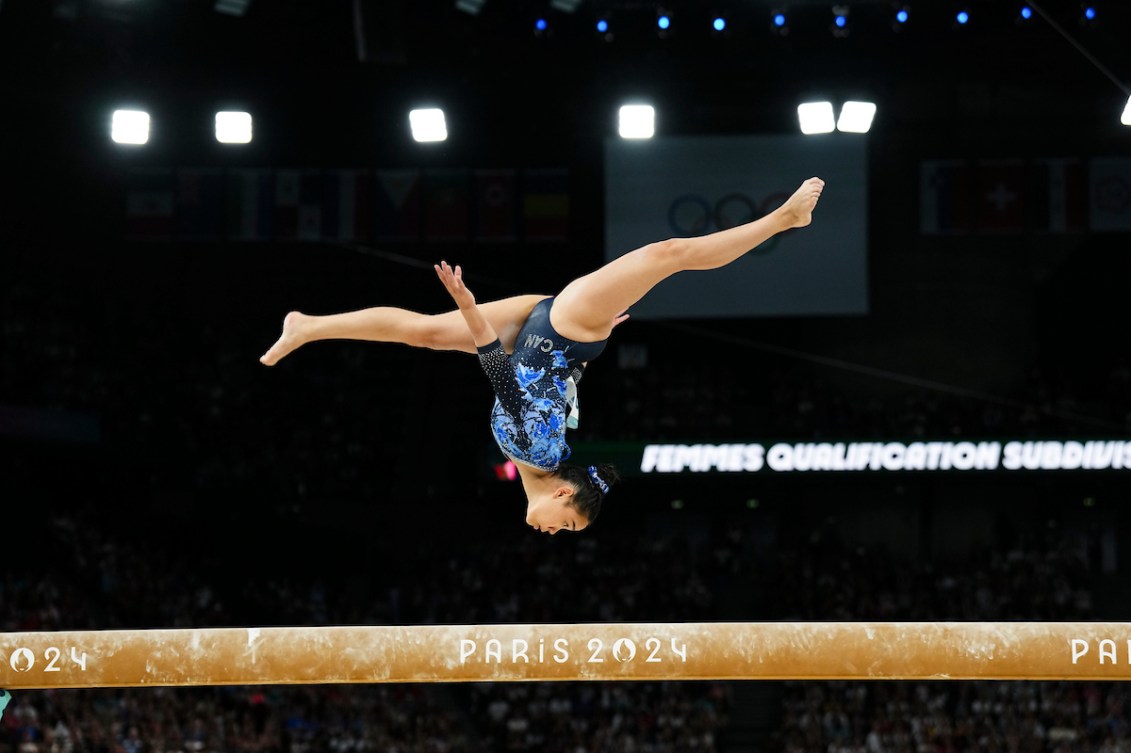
(1000, 196)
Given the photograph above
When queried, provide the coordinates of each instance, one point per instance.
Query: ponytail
(590, 485)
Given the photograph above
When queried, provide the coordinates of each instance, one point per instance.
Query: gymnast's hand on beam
(453, 281)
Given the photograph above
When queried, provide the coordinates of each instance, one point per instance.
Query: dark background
(147, 456)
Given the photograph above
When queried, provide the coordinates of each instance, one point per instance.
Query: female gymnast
(534, 348)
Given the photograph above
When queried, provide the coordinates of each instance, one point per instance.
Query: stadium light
(130, 127)
(840, 21)
(470, 7)
(233, 127)
(428, 124)
(816, 117)
(235, 8)
(637, 122)
(1126, 119)
(778, 22)
(856, 117)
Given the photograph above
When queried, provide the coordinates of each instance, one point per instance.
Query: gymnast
(535, 347)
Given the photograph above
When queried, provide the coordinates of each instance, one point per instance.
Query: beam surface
(522, 653)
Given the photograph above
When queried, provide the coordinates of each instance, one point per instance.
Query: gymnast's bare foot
(294, 331)
(798, 209)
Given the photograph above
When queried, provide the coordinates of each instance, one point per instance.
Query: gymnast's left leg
(587, 308)
(389, 324)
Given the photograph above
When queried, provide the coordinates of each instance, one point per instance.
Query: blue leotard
(528, 420)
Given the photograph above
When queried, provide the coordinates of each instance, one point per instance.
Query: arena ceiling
(365, 62)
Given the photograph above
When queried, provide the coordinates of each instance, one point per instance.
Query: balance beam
(556, 652)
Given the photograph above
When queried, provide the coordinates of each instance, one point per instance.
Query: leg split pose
(534, 348)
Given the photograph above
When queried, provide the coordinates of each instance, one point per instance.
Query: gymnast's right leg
(446, 331)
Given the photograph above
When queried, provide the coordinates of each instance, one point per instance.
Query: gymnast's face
(554, 511)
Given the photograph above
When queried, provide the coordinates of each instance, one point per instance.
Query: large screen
(688, 186)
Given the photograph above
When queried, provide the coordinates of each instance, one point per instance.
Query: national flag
(287, 191)
(944, 197)
(545, 205)
(396, 205)
(345, 205)
(310, 206)
(1057, 196)
(447, 209)
(251, 205)
(1109, 184)
(496, 205)
(150, 205)
(1000, 196)
(201, 204)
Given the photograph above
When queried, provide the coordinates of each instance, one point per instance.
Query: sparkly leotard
(528, 420)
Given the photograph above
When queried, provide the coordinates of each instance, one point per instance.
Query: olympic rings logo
(692, 214)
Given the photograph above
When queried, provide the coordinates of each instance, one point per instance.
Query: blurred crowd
(188, 422)
(659, 395)
(88, 576)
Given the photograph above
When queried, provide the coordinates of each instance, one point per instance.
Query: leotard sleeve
(499, 369)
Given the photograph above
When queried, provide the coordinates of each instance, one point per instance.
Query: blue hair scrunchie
(596, 479)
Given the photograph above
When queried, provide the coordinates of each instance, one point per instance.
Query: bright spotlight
(779, 20)
(602, 26)
(1026, 12)
(664, 22)
(637, 122)
(816, 117)
(428, 124)
(962, 17)
(130, 127)
(1090, 13)
(840, 21)
(233, 127)
(856, 117)
(541, 25)
(901, 16)
(720, 24)
(1126, 119)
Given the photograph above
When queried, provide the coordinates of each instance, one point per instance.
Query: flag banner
(201, 204)
(1000, 194)
(679, 186)
(1109, 183)
(310, 205)
(496, 206)
(287, 191)
(944, 197)
(251, 205)
(545, 205)
(345, 205)
(1057, 196)
(396, 205)
(150, 205)
(447, 208)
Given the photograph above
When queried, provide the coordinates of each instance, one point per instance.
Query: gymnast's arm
(494, 360)
(481, 330)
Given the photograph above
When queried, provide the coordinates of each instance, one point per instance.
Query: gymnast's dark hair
(590, 485)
